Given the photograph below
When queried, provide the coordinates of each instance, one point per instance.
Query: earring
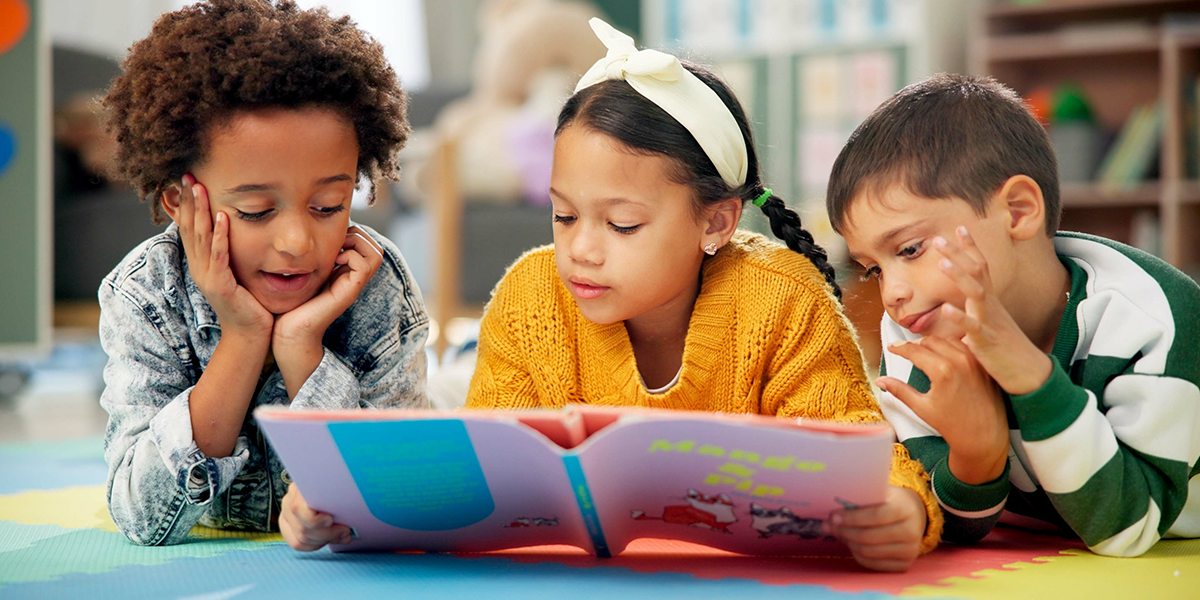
(711, 248)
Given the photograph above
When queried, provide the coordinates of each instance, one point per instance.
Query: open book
(595, 478)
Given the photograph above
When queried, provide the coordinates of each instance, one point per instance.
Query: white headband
(661, 79)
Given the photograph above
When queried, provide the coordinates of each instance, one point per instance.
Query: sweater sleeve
(818, 372)
(501, 379)
(1119, 477)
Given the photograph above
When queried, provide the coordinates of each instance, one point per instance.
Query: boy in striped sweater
(1050, 374)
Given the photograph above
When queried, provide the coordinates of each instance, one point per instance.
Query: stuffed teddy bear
(530, 55)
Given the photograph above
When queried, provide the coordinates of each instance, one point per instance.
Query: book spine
(587, 508)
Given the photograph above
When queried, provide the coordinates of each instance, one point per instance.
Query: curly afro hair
(202, 64)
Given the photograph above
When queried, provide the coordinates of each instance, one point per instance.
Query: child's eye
(256, 216)
(625, 230)
(325, 211)
(912, 251)
(564, 220)
(869, 274)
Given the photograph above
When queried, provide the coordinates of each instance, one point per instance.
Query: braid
(785, 224)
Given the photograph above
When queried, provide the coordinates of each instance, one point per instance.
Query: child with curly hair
(248, 124)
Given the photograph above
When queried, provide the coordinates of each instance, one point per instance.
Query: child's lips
(286, 282)
(919, 322)
(587, 290)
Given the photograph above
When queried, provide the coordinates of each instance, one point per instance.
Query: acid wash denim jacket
(160, 332)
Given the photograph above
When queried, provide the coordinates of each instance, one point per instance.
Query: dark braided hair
(785, 224)
(615, 109)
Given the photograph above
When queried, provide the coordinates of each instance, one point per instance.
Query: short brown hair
(202, 64)
(949, 136)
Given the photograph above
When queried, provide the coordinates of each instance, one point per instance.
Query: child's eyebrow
(887, 238)
(266, 187)
(607, 201)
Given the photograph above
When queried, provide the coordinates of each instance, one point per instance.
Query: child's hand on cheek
(963, 404)
(884, 537)
(305, 529)
(206, 246)
(991, 333)
(296, 341)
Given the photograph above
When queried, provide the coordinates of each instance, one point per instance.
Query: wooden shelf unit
(1122, 54)
(1052, 10)
(1092, 195)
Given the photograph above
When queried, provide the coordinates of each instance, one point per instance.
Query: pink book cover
(594, 478)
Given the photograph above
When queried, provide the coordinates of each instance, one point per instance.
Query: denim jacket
(160, 332)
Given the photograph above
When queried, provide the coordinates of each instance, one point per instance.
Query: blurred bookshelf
(1122, 56)
(809, 71)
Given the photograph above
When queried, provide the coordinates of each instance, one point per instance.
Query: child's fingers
(969, 264)
(294, 504)
(352, 268)
(286, 530)
(355, 261)
(905, 393)
(968, 284)
(306, 529)
(357, 231)
(953, 345)
(875, 515)
(219, 252)
(307, 539)
(338, 272)
(310, 519)
(201, 230)
(187, 206)
(366, 248)
(891, 533)
(954, 354)
(318, 538)
(202, 220)
(968, 324)
(969, 248)
(924, 356)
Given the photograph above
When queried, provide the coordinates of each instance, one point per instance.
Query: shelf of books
(1116, 82)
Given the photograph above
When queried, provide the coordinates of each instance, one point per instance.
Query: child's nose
(293, 238)
(585, 246)
(895, 292)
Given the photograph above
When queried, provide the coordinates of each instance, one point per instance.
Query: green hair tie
(762, 199)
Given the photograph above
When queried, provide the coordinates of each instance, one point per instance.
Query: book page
(730, 483)
(466, 484)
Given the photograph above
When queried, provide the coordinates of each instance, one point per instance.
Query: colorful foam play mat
(57, 541)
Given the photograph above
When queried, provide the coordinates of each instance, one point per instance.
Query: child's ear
(1022, 199)
(170, 199)
(722, 221)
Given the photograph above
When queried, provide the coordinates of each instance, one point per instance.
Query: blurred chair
(489, 166)
(96, 222)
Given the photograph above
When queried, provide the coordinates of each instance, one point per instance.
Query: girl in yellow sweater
(651, 297)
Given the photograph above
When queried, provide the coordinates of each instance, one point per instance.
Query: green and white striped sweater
(1109, 445)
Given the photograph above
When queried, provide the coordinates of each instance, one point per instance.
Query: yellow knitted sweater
(766, 336)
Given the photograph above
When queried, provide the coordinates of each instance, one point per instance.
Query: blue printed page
(463, 484)
(730, 483)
